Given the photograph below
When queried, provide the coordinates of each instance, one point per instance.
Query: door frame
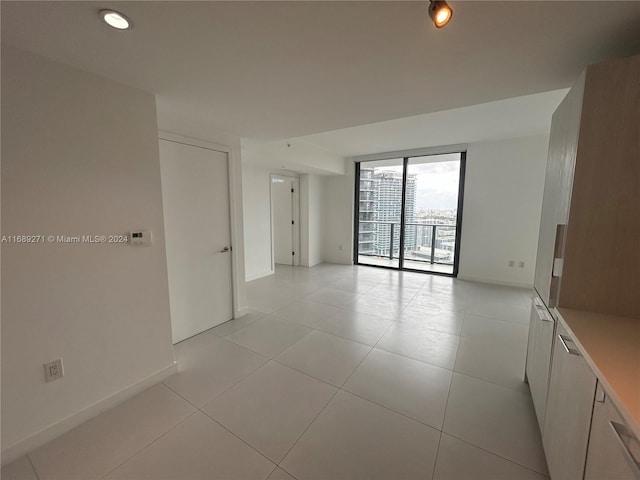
(237, 246)
(295, 231)
(406, 156)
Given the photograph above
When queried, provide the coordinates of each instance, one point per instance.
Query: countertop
(611, 347)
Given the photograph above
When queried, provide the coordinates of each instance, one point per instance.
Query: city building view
(430, 224)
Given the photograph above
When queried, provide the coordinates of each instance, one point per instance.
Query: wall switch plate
(511, 263)
(53, 370)
(521, 264)
(140, 238)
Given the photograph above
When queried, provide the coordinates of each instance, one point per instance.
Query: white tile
(236, 324)
(279, 474)
(496, 419)
(20, 469)
(355, 439)
(480, 292)
(495, 332)
(431, 346)
(299, 289)
(271, 408)
(406, 280)
(269, 336)
(267, 300)
(356, 326)
(208, 365)
(311, 314)
(104, 442)
(377, 305)
(198, 448)
(458, 460)
(395, 292)
(356, 285)
(440, 301)
(407, 386)
(493, 363)
(326, 357)
(333, 296)
(439, 320)
(499, 310)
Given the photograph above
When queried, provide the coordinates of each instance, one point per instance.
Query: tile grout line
(149, 444)
(236, 436)
(495, 454)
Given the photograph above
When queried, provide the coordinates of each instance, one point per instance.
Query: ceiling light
(440, 12)
(116, 19)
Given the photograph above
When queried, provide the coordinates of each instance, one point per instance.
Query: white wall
(79, 157)
(338, 216)
(257, 222)
(311, 219)
(501, 215)
(502, 205)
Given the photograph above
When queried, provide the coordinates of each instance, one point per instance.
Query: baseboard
(492, 281)
(49, 433)
(256, 276)
(241, 312)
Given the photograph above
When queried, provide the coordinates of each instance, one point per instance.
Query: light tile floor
(337, 372)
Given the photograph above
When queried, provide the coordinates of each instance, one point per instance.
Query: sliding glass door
(379, 208)
(408, 212)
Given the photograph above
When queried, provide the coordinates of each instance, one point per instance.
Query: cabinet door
(558, 183)
(614, 453)
(570, 403)
(541, 330)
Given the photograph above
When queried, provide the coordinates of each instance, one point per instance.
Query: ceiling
(514, 117)
(273, 70)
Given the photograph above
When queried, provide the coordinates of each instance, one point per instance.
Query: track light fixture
(440, 12)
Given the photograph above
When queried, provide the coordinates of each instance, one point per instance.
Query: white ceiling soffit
(514, 117)
(295, 155)
(274, 70)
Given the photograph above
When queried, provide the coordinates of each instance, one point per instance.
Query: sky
(436, 185)
(437, 181)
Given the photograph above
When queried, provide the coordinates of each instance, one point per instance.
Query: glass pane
(380, 207)
(431, 212)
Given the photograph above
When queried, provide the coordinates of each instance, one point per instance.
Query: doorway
(195, 197)
(408, 212)
(285, 219)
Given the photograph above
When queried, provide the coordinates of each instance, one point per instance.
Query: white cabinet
(568, 415)
(541, 331)
(614, 452)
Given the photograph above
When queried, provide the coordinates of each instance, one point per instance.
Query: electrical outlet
(53, 370)
(511, 263)
(521, 264)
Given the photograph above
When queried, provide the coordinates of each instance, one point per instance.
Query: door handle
(626, 439)
(225, 250)
(564, 340)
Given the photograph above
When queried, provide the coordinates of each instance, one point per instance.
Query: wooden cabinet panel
(602, 263)
(568, 415)
(541, 332)
(607, 458)
(563, 143)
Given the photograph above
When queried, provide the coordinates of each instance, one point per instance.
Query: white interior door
(284, 214)
(195, 195)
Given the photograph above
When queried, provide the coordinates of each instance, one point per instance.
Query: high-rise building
(367, 212)
(380, 204)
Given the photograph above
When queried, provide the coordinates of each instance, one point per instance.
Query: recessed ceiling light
(116, 20)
